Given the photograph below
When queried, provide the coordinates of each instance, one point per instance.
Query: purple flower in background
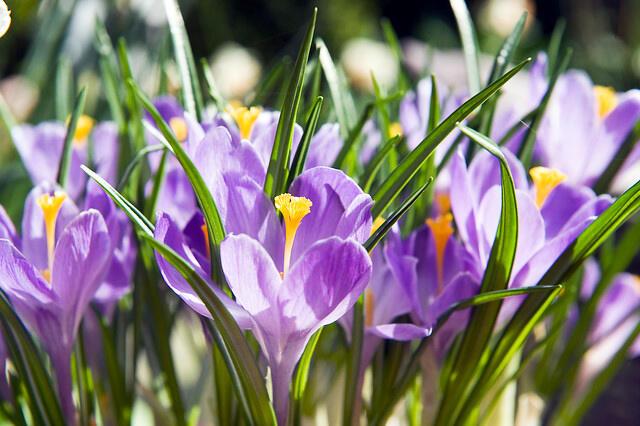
(551, 214)
(584, 125)
(287, 282)
(64, 258)
(40, 148)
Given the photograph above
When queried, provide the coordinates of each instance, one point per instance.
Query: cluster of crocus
(275, 248)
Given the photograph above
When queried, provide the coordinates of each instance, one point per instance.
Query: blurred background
(243, 40)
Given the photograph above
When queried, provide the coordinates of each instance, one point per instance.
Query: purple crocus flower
(287, 282)
(64, 258)
(40, 148)
(584, 125)
(551, 214)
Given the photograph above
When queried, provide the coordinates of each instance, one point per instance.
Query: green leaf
(184, 57)
(507, 49)
(469, 43)
(375, 238)
(369, 173)
(340, 95)
(349, 417)
(496, 277)
(604, 181)
(554, 45)
(215, 227)
(297, 165)
(392, 40)
(267, 84)
(341, 160)
(64, 85)
(109, 75)
(525, 152)
(141, 155)
(212, 87)
(278, 169)
(253, 391)
(302, 376)
(412, 162)
(65, 160)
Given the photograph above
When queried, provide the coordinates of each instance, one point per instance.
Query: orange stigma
(545, 180)
(205, 231)
(83, 128)
(605, 99)
(50, 205)
(244, 117)
(179, 128)
(293, 209)
(441, 229)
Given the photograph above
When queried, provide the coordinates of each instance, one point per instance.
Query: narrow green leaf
(349, 416)
(604, 181)
(341, 160)
(392, 40)
(369, 173)
(297, 165)
(496, 277)
(109, 75)
(260, 409)
(138, 218)
(212, 87)
(469, 43)
(265, 88)
(525, 152)
(375, 238)
(507, 49)
(64, 85)
(6, 116)
(65, 160)
(136, 160)
(554, 45)
(184, 58)
(150, 204)
(85, 390)
(301, 377)
(278, 169)
(412, 162)
(340, 95)
(215, 227)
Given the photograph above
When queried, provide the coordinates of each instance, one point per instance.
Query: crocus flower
(287, 282)
(64, 258)
(551, 213)
(40, 148)
(584, 125)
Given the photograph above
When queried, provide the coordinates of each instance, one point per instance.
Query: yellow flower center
(395, 129)
(50, 205)
(244, 117)
(443, 201)
(293, 209)
(636, 283)
(545, 180)
(376, 224)
(606, 100)
(179, 128)
(369, 306)
(83, 128)
(441, 229)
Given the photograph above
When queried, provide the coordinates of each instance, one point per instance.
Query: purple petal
(106, 149)
(324, 147)
(7, 230)
(401, 332)
(40, 148)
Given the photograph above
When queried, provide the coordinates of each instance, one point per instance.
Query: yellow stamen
(443, 201)
(244, 117)
(50, 205)
(395, 129)
(545, 180)
(46, 274)
(205, 231)
(179, 128)
(442, 230)
(606, 100)
(293, 209)
(83, 128)
(369, 306)
(376, 224)
(636, 283)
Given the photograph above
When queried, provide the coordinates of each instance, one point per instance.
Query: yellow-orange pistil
(545, 180)
(441, 229)
(606, 100)
(50, 205)
(244, 117)
(179, 128)
(293, 209)
(395, 129)
(205, 231)
(83, 128)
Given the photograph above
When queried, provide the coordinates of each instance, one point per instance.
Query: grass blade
(412, 162)
(341, 160)
(278, 170)
(297, 166)
(469, 43)
(212, 87)
(64, 85)
(369, 173)
(507, 49)
(65, 160)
